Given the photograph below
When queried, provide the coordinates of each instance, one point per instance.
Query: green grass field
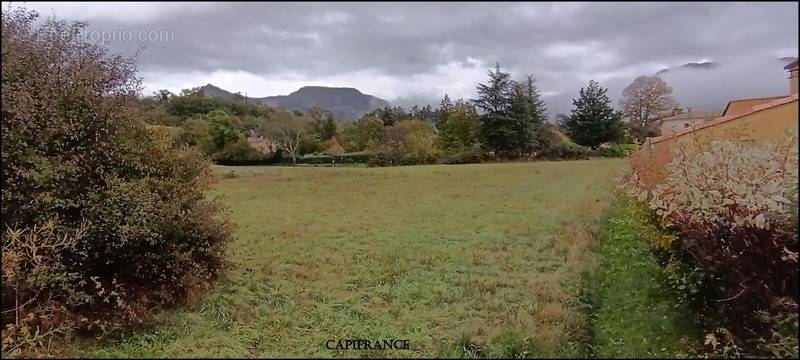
(461, 260)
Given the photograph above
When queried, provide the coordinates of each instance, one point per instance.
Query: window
(685, 125)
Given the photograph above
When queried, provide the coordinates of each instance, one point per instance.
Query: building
(264, 146)
(792, 67)
(759, 120)
(678, 122)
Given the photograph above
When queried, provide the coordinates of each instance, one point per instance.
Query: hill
(345, 103)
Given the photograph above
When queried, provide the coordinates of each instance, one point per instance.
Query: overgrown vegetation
(730, 210)
(635, 313)
(103, 220)
(486, 268)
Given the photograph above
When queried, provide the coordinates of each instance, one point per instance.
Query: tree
(100, 219)
(513, 114)
(329, 129)
(593, 121)
(334, 148)
(162, 95)
(369, 132)
(494, 100)
(287, 131)
(460, 129)
(529, 114)
(323, 123)
(643, 101)
(444, 108)
(222, 130)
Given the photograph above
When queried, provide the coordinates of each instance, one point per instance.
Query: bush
(241, 153)
(352, 158)
(553, 145)
(619, 150)
(409, 142)
(563, 151)
(399, 158)
(734, 208)
(102, 220)
(468, 155)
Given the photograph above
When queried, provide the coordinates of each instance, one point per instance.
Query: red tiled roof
(792, 65)
(757, 108)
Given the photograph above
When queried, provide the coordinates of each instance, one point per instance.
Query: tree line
(507, 120)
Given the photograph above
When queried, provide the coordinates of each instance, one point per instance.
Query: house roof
(688, 115)
(756, 101)
(792, 65)
(723, 119)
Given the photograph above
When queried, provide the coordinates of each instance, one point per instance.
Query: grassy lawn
(461, 260)
(636, 314)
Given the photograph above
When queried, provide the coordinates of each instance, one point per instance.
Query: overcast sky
(416, 52)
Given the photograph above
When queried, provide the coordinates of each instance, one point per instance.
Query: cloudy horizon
(415, 53)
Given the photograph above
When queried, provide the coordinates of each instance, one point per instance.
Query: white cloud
(455, 78)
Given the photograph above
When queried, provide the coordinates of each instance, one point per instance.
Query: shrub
(102, 220)
(409, 142)
(352, 158)
(466, 155)
(241, 153)
(553, 145)
(734, 207)
(619, 150)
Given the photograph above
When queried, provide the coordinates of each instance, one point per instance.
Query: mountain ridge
(345, 103)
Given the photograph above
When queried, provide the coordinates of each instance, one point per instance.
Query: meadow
(461, 260)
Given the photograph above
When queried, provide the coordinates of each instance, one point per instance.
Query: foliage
(593, 121)
(554, 145)
(734, 207)
(619, 150)
(221, 130)
(102, 220)
(333, 147)
(368, 132)
(323, 123)
(643, 101)
(371, 244)
(459, 129)
(464, 155)
(634, 315)
(241, 153)
(287, 130)
(310, 144)
(513, 114)
(193, 104)
(408, 142)
(351, 158)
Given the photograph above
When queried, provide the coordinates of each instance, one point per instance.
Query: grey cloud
(562, 44)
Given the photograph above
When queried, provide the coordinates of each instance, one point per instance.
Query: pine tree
(594, 121)
(529, 113)
(494, 100)
(441, 113)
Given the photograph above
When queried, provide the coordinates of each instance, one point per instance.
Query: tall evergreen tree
(529, 113)
(494, 100)
(593, 121)
(441, 113)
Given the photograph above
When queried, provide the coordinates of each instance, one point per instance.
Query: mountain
(707, 65)
(345, 103)
(213, 91)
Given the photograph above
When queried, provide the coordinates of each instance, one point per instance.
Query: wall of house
(793, 82)
(669, 127)
(739, 106)
(765, 126)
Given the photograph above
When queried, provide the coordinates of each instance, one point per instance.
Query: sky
(414, 53)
